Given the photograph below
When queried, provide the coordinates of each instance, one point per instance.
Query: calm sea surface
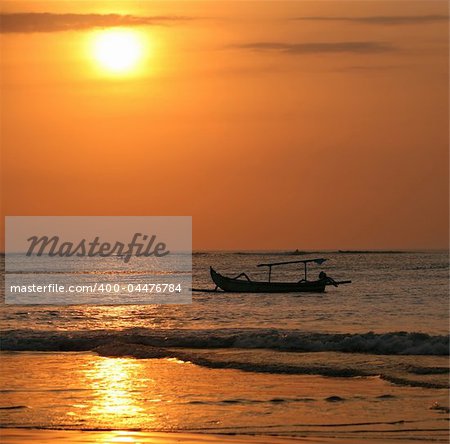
(373, 352)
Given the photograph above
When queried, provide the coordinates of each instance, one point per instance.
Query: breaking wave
(394, 343)
(205, 348)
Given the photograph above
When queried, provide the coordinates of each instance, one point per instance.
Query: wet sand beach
(16, 436)
(86, 397)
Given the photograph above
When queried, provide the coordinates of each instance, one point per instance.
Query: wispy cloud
(48, 22)
(384, 19)
(371, 68)
(318, 47)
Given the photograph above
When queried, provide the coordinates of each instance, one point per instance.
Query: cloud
(384, 19)
(371, 68)
(318, 47)
(48, 22)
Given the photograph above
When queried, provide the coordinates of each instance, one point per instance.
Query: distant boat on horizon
(298, 252)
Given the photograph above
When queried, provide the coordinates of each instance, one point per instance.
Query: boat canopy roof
(318, 261)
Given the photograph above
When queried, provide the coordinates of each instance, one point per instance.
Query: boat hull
(245, 286)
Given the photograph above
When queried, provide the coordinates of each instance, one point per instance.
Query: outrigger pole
(318, 261)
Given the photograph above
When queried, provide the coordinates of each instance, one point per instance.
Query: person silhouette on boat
(326, 279)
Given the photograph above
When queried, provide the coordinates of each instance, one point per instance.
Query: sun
(118, 51)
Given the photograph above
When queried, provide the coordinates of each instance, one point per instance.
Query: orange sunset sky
(276, 125)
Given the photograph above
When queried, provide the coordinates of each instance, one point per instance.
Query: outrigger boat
(243, 284)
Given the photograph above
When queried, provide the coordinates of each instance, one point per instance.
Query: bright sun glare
(118, 51)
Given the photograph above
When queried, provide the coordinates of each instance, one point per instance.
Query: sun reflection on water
(117, 384)
(122, 437)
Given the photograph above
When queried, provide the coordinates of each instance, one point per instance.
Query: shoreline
(98, 399)
(46, 436)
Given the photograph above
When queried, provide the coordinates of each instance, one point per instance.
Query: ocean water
(367, 359)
